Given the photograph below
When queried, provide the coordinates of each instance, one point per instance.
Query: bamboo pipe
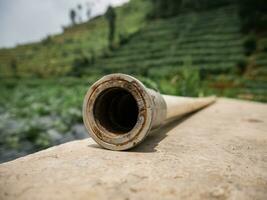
(119, 111)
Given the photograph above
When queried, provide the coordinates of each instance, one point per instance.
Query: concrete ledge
(218, 153)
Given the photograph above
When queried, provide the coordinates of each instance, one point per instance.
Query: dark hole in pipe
(116, 110)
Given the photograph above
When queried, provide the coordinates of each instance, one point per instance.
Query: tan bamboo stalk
(119, 111)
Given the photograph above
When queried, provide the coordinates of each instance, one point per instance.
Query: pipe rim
(108, 139)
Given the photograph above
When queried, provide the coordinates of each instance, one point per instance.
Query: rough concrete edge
(91, 141)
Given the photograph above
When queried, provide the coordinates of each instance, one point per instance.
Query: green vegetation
(111, 18)
(253, 14)
(208, 45)
(212, 39)
(55, 55)
(35, 114)
(168, 8)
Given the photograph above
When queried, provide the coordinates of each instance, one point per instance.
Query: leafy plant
(241, 66)
(188, 80)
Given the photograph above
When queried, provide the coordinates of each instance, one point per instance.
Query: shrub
(253, 15)
(188, 81)
(189, 84)
(250, 45)
(149, 83)
(79, 64)
(106, 53)
(122, 39)
(14, 67)
(169, 8)
(48, 40)
(242, 66)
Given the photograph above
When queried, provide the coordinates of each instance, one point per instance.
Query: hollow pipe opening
(119, 111)
(116, 110)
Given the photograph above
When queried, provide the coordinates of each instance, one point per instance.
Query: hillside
(55, 55)
(209, 42)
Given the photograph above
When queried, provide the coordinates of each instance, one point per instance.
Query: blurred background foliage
(178, 47)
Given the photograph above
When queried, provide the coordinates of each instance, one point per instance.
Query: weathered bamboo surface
(178, 106)
(119, 111)
(219, 152)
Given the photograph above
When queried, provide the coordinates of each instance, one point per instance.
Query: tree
(79, 6)
(168, 8)
(88, 10)
(73, 16)
(165, 8)
(253, 15)
(14, 66)
(111, 18)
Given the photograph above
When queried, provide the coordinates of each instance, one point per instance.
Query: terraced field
(210, 40)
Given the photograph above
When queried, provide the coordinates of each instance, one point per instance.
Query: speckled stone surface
(217, 153)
